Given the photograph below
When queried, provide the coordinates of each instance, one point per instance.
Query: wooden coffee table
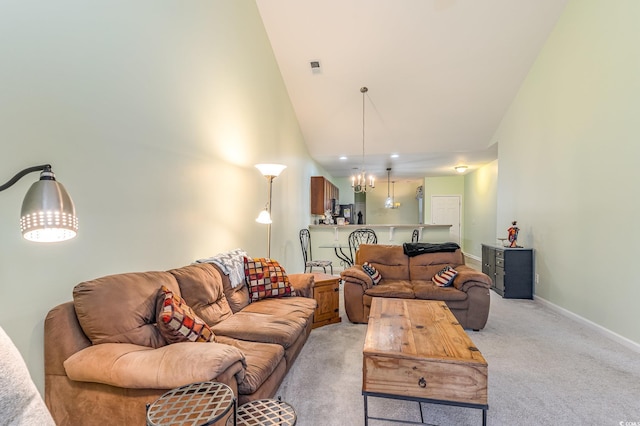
(416, 350)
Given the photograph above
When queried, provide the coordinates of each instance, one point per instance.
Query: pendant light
(388, 203)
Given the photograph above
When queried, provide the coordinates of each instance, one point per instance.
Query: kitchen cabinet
(322, 192)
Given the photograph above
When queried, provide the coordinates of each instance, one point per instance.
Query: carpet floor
(544, 369)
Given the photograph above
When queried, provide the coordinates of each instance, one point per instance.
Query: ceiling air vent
(315, 67)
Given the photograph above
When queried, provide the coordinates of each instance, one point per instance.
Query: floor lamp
(270, 171)
(48, 214)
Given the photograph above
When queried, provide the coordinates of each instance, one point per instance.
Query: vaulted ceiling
(440, 74)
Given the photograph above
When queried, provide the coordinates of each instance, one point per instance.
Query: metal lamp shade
(48, 213)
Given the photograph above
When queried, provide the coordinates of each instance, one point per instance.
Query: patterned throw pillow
(373, 272)
(266, 278)
(177, 322)
(444, 277)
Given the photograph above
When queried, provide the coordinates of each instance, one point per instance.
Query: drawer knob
(422, 382)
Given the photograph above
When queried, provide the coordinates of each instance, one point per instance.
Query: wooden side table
(326, 291)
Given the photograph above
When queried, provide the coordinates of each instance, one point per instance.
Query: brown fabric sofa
(105, 359)
(410, 278)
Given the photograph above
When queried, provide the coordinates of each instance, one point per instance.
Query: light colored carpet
(544, 369)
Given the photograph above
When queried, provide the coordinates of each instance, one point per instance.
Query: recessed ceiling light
(343, 158)
(460, 169)
(394, 156)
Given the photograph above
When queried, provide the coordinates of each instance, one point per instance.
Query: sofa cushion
(261, 361)
(391, 261)
(201, 287)
(426, 289)
(177, 322)
(238, 296)
(425, 266)
(266, 278)
(139, 367)
(444, 277)
(279, 321)
(122, 308)
(402, 289)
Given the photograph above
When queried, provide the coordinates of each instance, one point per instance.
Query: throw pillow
(372, 272)
(177, 322)
(266, 278)
(445, 276)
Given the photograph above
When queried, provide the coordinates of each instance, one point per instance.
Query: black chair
(305, 243)
(360, 236)
(415, 236)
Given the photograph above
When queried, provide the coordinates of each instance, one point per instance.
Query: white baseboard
(472, 256)
(592, 325)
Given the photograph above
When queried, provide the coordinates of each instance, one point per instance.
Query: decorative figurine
(328, 219)
(513, 234)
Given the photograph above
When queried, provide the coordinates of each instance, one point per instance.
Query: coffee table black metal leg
(484, 417)
(366, 412)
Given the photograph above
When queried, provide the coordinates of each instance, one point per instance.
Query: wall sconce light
(270, 171)
(460, 169)
(48, 214)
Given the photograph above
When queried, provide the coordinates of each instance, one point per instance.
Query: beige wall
(405, 194)
(153, 115)
(568, 150)
(479, 216)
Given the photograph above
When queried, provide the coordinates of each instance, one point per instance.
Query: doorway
(360, 201)
(445, 210)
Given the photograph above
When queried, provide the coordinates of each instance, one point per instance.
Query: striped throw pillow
(444, 277)
(372, 272)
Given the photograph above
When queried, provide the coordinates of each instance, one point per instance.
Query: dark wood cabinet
(322, 192)
(511, 270)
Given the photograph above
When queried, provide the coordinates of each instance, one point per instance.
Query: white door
(445, 210)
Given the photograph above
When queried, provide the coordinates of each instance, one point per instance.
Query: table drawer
(433, 379)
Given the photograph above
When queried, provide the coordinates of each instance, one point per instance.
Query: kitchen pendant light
(388, 203)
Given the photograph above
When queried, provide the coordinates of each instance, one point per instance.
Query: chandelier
(359, 181)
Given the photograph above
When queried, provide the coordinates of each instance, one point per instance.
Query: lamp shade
(271, 169)
(48, 213)
(264, 217)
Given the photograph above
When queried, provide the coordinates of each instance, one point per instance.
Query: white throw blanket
(231, 263)
(20, 402)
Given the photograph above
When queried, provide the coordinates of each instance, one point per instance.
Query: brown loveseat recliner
(410, 278)
(95, 375)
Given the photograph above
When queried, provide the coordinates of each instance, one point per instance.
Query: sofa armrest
(63, 337)
(126, 365)
(302, 284)
(356, 275)
(468, 277)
